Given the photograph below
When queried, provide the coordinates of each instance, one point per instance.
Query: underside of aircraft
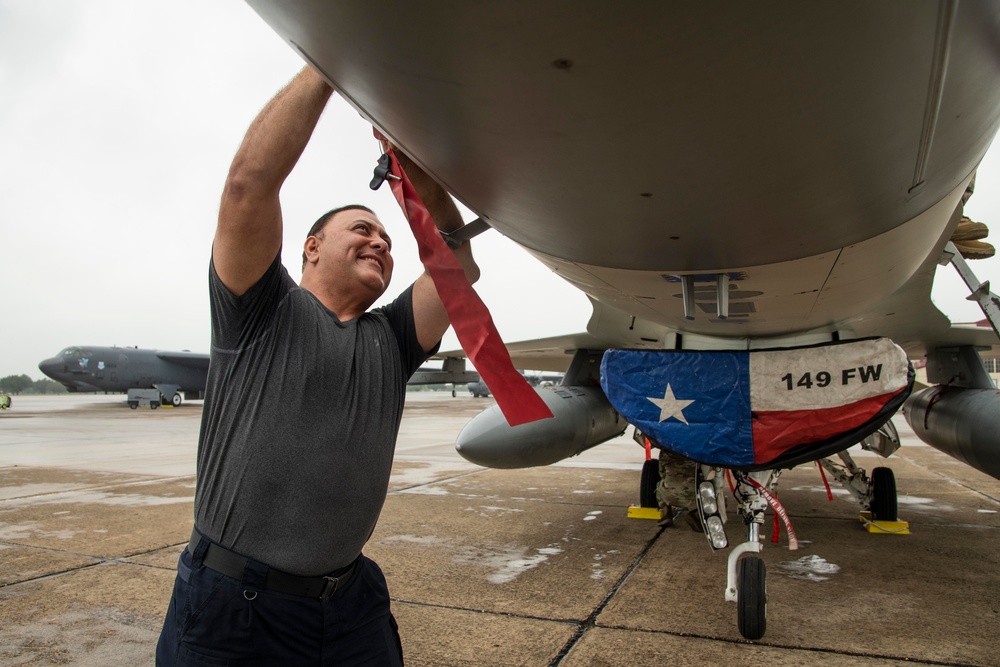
(767, 187)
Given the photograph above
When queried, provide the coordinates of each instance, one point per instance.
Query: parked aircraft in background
(730, 179)
(118, 369)
(479, 389)
(453, 372)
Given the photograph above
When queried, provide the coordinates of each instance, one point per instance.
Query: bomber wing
(187, 359)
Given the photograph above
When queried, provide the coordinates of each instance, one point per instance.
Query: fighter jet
(754, 196)
(117, 369)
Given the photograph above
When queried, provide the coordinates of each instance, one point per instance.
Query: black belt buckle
(329, 588)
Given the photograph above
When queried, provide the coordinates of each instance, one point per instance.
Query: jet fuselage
(118, 369)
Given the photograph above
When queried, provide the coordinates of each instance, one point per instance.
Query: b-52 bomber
(119, 369)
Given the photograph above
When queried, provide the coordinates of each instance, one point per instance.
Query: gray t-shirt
(300, 422)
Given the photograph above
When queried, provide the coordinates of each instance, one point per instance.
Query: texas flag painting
(759, 408)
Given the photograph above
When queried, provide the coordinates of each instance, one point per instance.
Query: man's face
(354, 248)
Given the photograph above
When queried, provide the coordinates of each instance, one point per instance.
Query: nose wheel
(752, 598)
(747, 576)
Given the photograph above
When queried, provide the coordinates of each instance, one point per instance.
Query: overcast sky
(118, 120)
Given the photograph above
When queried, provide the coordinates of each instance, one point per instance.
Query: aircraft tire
(884, 501)
(752, 598)
(647, 483)
(176, 399)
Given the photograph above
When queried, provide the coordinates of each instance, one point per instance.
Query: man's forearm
(444, 211)
(249, 232)
(437, 200)
(280, 132)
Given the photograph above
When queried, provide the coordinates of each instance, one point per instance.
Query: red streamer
(822, 473)
(468, 314)
(779, 510)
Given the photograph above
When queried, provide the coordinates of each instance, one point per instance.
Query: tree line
(22, 384)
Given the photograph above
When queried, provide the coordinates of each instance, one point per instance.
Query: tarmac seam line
(58, 551)
(437, 481)
(591, 620)
(76, 553)
(99, 561)
(101, 487)
(489, 612)
(53, 575)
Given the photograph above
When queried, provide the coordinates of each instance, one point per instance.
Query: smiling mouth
(373, 261)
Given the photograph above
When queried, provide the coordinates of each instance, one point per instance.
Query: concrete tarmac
(497, 567)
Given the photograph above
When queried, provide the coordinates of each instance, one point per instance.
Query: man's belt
(232, 564)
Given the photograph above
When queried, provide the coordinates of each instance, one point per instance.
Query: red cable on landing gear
(777, 528)
(779, 510)
(649, 453)
(822, 473)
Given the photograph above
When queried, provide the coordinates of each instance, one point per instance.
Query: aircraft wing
(552, 354)
(187, 359)
(546, 354)
(910, 318)
(543, 354)
(608, 328)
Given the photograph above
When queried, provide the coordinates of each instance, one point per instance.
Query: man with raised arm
(304, 399)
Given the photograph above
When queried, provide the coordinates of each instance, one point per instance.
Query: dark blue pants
(217, 620)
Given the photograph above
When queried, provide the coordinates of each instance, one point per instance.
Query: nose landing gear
(746, 581)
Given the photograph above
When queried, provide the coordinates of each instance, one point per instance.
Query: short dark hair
(318, 226)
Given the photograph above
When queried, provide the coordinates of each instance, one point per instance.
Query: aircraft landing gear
(175, 400)
(751, 615)
(647, 483)
(884, 502)
(747, 577)
(875, 494)
(747, 587)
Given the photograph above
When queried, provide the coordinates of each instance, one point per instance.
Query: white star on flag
(670, 406)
